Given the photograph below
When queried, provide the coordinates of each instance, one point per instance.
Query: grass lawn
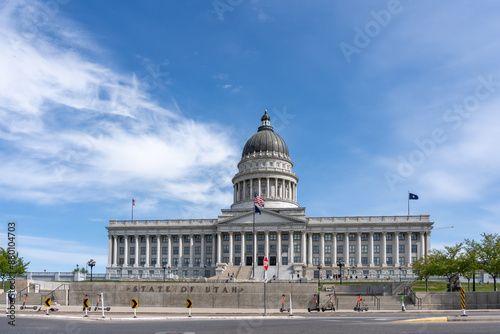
(419, 286)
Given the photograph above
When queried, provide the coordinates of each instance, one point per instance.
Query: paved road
(314, 323)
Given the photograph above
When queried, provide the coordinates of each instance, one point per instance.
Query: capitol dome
(265, 140)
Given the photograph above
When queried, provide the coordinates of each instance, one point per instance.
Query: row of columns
(286, 191)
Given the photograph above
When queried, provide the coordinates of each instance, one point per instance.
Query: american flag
(133, 202)
(259, 201)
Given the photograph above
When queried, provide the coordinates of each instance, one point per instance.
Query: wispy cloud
(73, 128)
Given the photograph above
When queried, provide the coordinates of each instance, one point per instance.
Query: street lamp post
(164, 270)
(341, 264)
(91, 264)
(400, 273)
(319, 282)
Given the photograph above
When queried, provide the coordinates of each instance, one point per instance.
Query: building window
(209, 261)
(388, 248)
(391, 272)
(401, 248)
(376, 248)
(197, 238)
(273, 236)
(132, 250)
(186, 261)
(225, 237)
(197, 261)
(209, 250)
(187, 238)
(153, 250)
(272, 248)
(225, 260)
(366, 272)
(296, 248)
(352, 237)
(175, 238)
(413, 248)
(237, 248)
(284, 248)
(249, 237)
(376, 260)
(328, 261)
(132, 239)
(388, 236)
(153, 261)
(175, 250)
(225, 249)
(154, 239)
(187, 250)
(261, 236)
(352, 261)
(315, 261)
(237, 260)
(260, 248)
(340, 249)
(121, 261)
(402, 260)
(296, 236)
(249, 248)
(414, 236)
(340, 237)
(296, 259)
(401, 236)
(122, 240)
(413, 259)
(364, 249)
(143, 250)
(284, 260)
(284, 236)
(328, 249)
(175, 262)
(132, 260)
(315, 237)
(209, 238)
(364, 261)
(315, 249)
(197, 250)
(389, 260)
(196, 273)
(143, 240)
(164, 240)
(122, 250)
(164, 260)
(352, 249)
(328, 237)
(237, 237)
(376, 236)
(184, 273)
(164, 250)
(364, 237)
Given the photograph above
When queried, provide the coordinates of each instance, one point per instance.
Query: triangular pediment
(266, 218)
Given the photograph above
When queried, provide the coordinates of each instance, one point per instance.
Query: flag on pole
(133, 202)
(258, 203)
(413, 196)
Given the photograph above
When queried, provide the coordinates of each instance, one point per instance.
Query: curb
(433, 319)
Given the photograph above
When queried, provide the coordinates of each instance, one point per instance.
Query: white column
(110, 250)
(158, 250)
(396, 250)
(259, 185)
(427, 242)
(370, 249)
(278, 248)
(267, 187)
(408, 250)
(358, 249)
(303, 243)
(421, 246)
(251, 189)
(115, 252)
(290, 247)
(346, 249)
(136, 263)
(214, 250)
(266, 245)
(203, 254)
(383, 250)
(191, 250)
(334, 249)
(219, 247)
(181, 251)
(126, 251)
(169, 250)
(275, 188)
(147, 251)
(243, 250)
(322, 249)
(235, 188)
(310, 248)
(231, 249)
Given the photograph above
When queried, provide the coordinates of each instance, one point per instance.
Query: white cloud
(73, 128)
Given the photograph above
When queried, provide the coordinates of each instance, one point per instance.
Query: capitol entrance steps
(347, 302)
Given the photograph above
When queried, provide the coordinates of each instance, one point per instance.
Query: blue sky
(102, 101)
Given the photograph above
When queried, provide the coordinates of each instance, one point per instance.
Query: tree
(470, 262)
(11, 267)
(425, 267)
(489, 253)
(447, 262)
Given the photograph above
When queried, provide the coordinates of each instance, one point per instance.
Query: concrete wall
(204, 295)
(452, 301)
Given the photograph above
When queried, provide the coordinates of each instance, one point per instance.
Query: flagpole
(408, 202)
(254, 244)
(132, 209)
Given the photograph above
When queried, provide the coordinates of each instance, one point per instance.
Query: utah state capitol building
(296, 245)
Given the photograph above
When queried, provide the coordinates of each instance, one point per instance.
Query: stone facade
(374, 246)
